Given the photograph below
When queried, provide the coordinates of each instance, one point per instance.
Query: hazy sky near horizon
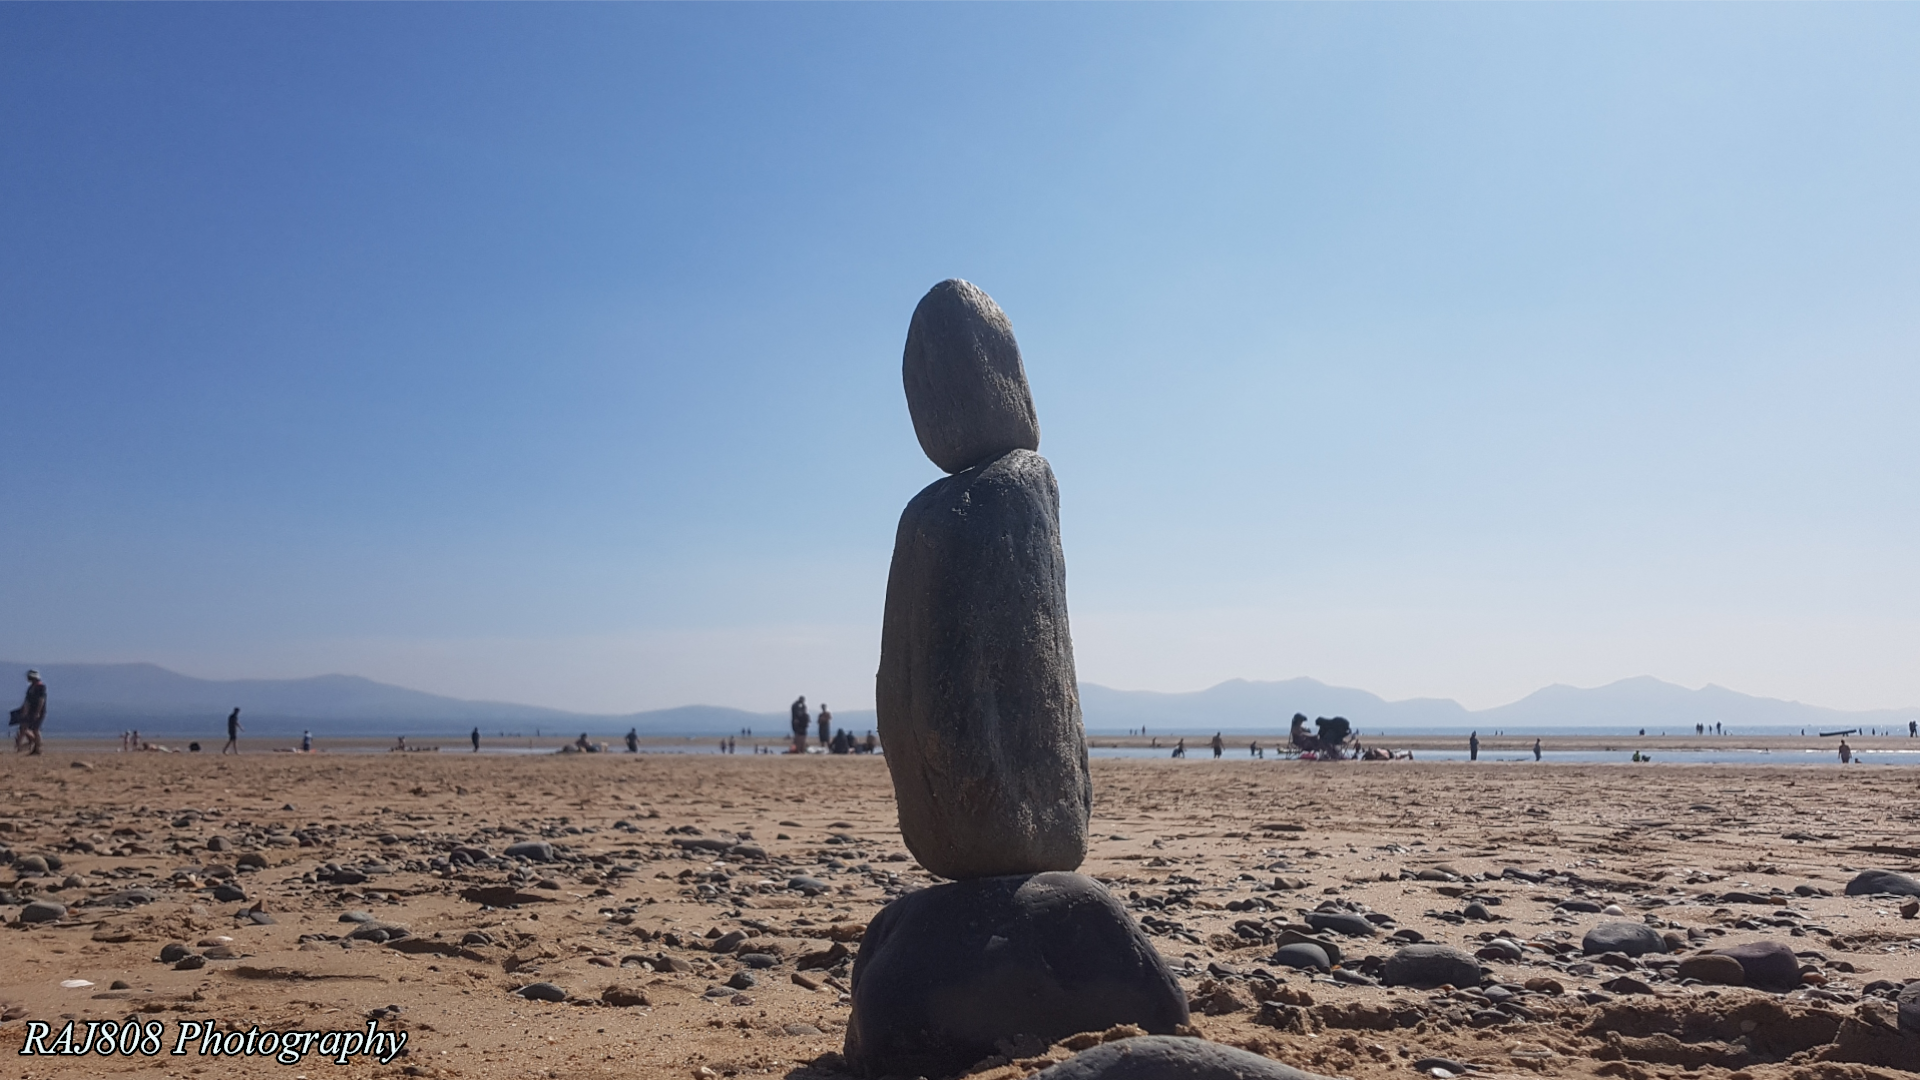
(551, 353)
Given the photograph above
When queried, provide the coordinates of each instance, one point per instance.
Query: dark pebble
(542, 991)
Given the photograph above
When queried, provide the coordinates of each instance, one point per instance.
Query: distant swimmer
(233, 733)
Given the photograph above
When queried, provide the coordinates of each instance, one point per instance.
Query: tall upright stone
(977, 699)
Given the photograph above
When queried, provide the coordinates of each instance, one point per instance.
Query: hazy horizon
(553, 353)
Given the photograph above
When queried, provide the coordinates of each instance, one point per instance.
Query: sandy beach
(781, 860)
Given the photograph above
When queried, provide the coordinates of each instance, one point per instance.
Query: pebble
(172, 952)
(542, 991)
(1633, 939)
(1768, 964)
(625, 997)
(808, 885)
(1426, 966)
(1875, 882)
(43, 911)
(355, 916)
(1303, 955)
(1626, 984)
(31, 864)
(1341, 922)
(758, 960)
(1477, 912)
(1156, 1057)
(1501, 949)
(190, 962)
(532, 851)
(742, 980)
(802, 1029)
(229, 893)
(1712, 968)
(728, 941)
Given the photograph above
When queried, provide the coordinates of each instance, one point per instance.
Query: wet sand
(1195, 847)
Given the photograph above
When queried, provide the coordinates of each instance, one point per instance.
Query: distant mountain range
(102, 699)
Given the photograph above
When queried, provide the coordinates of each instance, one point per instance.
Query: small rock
(1633, 939)
(120, 984)
(758, 960)
(1161, 1057)
(1626, 984)
(728, 941)
(742, 980)
(190, 962)
(43, 911)
(532, 851)
(805, 982)
(1302, 954)
(1341, 922)
(174, 951)
(1769, 965)
(624, 996)
(808, 885)
(355, 917)
(1426, 966)
(802, 1029)
(1540, 984)
(226, 893)
(1501, 949)
(1876, 882)
(1713, 968)
(31, 864)
(542, 991)
(1477, 912)
(1909, 1002)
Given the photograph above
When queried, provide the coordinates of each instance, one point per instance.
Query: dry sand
(1196, 845)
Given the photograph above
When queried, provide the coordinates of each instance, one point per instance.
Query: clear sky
(551, 353)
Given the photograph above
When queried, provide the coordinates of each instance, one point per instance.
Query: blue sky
(551, 353)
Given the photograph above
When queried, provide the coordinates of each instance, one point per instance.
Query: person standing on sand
(475, 737)
(30, 715)
(1536, 749)
(233, 733)
(1217, 745)
(826, 725)
(633, 740)
(306, 742)
(799, 718)
(1846, 752)
(1473, 747)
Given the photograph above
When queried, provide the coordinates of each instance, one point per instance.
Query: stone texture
(1770, 965)
(976, 696)
(948, 975)
(1874, 882)
(1302, 954)
(1162, 1057)
(1633, 939)
(966, 388)
(1426, 966)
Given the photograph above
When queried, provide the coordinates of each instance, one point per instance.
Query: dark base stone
(1160, 1057)
(1876, 882)
(958, 972)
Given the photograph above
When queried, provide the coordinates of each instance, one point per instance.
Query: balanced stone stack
(980, 715)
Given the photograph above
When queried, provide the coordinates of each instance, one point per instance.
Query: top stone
(966, 388)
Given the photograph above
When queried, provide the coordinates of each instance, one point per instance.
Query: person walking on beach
(1217, 745)
(1473, 747)
(1913, 728)
(475, 737)
(1846, 752)
(233, 733)
(799, 717)
(633, 740)
(30, 715)
(1180, 749)
(826, 725)
(1536, 749)
(306, 742)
